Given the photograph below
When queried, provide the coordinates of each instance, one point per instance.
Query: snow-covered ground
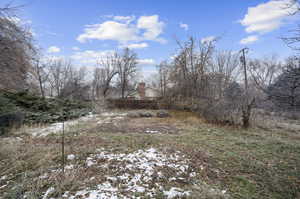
(56, 128)
(144, 173)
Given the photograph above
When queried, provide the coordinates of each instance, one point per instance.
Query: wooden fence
(133, 104)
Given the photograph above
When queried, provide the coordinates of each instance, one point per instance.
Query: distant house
(144, 92)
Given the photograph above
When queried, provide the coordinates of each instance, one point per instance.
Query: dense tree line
(60, 78)
(24, 68)
(223, 86)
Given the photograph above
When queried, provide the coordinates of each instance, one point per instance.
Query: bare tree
(60, 72)
(292, 7)
(105, 72)
(163, 77)
(75, 86)
(16, 50)
(285, 90)
(190, 65)
(265, 71)
(293, 40)
(40, 75)
(127, 70)
(224, 70)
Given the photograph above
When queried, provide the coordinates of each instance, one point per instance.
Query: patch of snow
(113, 179)
(104, 191)
(113, 114)
(193, 174)
(176, 192)
(140, 172)
(66, 194)
(71, 157)
(56, 128)
(140, 189)
(152, 132)
(172, 179)
(12, 140)
(3, 186)
(92, 178)
(48, 192)
(44, 176)
(90, 162)
(69, 167)
(3, 177)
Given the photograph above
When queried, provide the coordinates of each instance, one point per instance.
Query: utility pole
(247, 106)
(243, 60)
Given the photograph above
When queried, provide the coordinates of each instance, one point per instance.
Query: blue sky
(151, 26)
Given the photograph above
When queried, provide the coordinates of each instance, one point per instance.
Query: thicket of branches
(23, 68)
(225, 86)
(202, 79)
(115, 73)
(285, 91)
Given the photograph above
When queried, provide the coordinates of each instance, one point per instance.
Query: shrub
(221, 113)
(40, 110)
(10, 120)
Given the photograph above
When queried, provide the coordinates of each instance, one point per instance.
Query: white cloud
(123, 29)
(53, 49)
(249, 39)
(146, 62)
(90, 56)
(184, 26)
(208, 39)
(268, 16)
(135, 46)
(51, 33)
(76, 48)
(109, 30)
(126, 19)
(153, 27)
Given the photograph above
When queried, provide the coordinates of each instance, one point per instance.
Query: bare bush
(204, 80)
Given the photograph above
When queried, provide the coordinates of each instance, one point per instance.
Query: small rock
(133, 115)
(146, 114)
(162, 114)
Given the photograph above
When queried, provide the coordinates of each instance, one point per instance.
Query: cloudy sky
(87, 30)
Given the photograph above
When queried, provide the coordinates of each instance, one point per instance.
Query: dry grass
(252, 163)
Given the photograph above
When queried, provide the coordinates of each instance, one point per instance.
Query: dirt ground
(138, 125)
